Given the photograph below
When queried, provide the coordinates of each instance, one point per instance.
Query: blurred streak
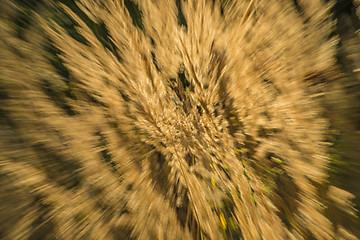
(198, 119)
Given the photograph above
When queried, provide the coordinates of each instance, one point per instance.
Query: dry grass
(174, 120)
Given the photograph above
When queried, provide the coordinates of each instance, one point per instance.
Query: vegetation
(179, 119)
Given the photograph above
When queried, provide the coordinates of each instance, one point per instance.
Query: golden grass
(193, 119)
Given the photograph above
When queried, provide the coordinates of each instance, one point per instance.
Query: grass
(177, 120)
